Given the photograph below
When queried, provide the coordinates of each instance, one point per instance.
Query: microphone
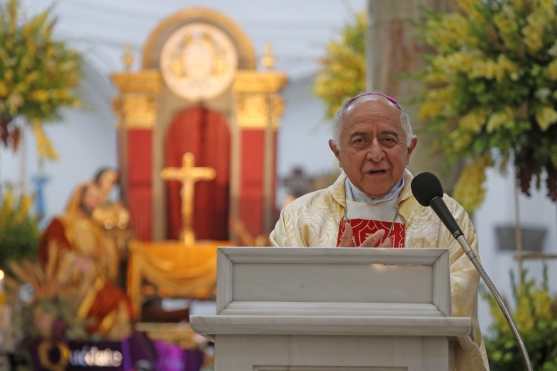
(428, 191)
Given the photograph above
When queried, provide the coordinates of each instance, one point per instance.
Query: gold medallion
(198, 61)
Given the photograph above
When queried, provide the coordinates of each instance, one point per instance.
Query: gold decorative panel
(146, 81)
(136, 110)
(137, 103)
(257, 100)
(259, 82)
(254, 110)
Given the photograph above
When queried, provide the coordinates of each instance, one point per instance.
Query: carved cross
(188, 175)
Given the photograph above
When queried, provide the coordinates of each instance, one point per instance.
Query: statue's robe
(313, 221)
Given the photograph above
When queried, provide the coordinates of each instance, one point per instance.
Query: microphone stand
(498, 298)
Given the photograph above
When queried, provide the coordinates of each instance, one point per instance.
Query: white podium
(325, 309)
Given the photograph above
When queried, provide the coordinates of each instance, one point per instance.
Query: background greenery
(536, 316)
(19, 231)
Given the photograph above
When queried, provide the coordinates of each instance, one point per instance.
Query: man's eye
(390, 141)
(358, 141)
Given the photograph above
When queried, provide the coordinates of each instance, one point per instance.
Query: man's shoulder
(313, 200)
(453, 205)
(422, 213)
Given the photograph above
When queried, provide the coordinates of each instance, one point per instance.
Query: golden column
(258, 107)
(136, 107)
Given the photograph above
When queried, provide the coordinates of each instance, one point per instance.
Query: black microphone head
(425, 187)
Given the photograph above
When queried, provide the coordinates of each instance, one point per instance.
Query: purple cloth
(171, 356)
(163, 355)
(193, 359)
(139, 352)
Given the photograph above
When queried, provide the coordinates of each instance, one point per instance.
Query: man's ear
(412, 146)
(334, 148)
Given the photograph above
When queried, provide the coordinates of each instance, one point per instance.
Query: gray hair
(349, 103)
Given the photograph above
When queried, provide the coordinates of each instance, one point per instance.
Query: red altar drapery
(206, 134)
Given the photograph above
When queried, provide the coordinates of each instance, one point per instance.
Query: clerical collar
(355, 194)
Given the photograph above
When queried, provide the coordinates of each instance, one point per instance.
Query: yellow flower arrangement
(473, 121)
(498, 60)
(38, 75)
(470, 189)
(546, 117)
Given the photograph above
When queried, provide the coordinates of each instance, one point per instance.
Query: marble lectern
(331, 309)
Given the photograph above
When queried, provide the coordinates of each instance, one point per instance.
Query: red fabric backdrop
(205, 134)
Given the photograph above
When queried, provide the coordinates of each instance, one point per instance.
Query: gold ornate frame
(153, 45)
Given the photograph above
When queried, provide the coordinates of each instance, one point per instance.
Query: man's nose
(375, 152)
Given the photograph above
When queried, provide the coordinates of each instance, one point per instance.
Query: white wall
(304, 132)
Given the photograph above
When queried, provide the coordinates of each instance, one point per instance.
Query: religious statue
(109, 212)
(106, 179)
(106, 306)
(188, 175)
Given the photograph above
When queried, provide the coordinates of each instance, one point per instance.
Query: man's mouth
(376, 172)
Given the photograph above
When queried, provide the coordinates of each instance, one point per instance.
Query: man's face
(372, 147)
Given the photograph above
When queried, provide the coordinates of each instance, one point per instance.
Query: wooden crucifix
(188, 175)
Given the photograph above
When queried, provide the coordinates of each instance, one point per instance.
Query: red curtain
(205, 134)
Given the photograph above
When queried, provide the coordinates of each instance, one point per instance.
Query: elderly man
(371, 205)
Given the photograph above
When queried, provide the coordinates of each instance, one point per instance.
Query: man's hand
(373, 240)
(347, 239)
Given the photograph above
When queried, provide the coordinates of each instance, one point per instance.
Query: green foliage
(490, 81)
(38, 75)
(19, 232)
(343, 70)
(536, 317)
